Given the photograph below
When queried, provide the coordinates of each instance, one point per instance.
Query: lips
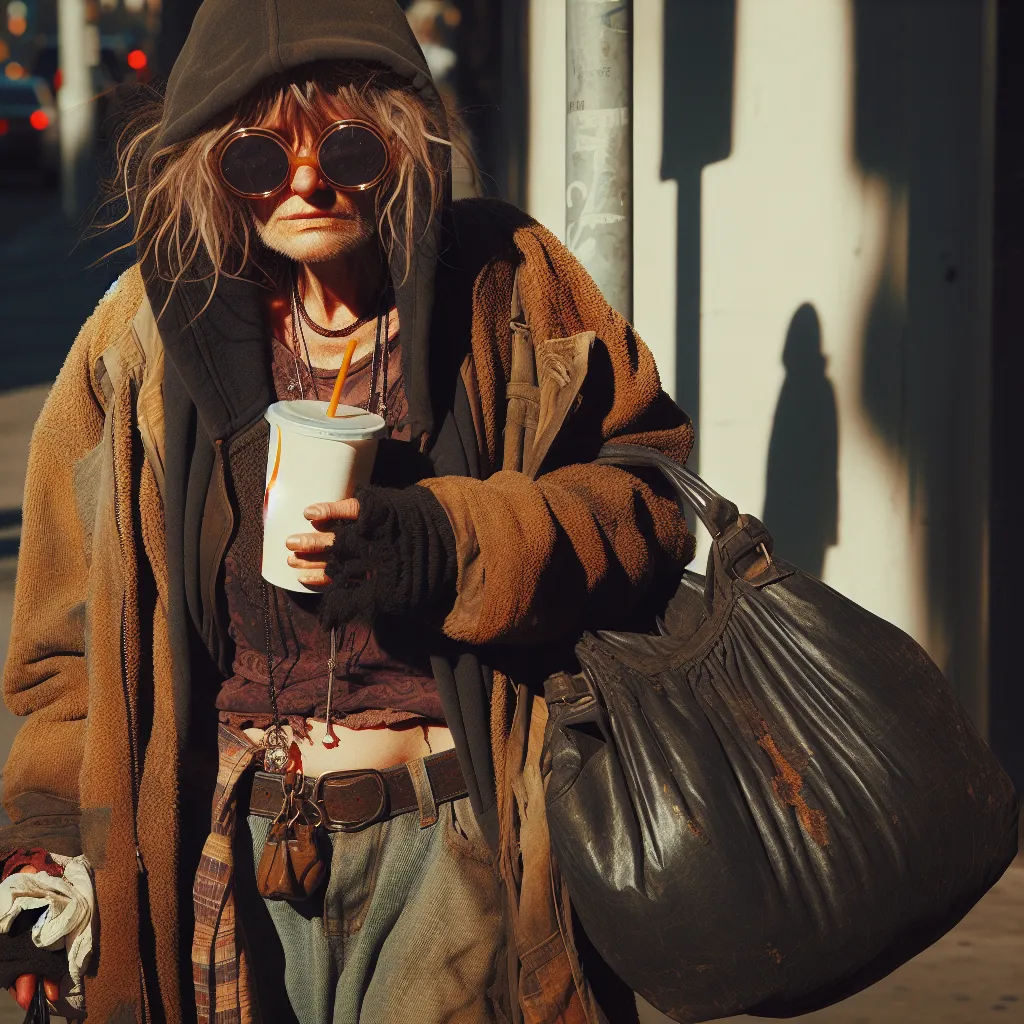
(316, 216)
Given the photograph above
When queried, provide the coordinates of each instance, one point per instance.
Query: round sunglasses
(350, 155)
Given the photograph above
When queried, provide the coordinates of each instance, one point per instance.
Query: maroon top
(377, 682)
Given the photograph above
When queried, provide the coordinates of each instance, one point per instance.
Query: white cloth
(66, 923)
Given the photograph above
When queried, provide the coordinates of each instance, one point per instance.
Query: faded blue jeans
(408, 929)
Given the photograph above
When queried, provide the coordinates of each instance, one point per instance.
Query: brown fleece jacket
(89, 656)
(91, 571)
(580, 543)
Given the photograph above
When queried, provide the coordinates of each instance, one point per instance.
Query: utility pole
(599, 144)
(76, 41)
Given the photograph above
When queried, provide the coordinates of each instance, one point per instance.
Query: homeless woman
(327, 805)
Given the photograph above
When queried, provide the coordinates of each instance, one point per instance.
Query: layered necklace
(381, 347)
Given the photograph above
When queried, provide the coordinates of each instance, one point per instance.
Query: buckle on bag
(363, 789)
(563, 688)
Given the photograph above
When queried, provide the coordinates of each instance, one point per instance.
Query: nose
(305, 181)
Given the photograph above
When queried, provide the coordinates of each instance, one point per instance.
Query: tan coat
(89, 656)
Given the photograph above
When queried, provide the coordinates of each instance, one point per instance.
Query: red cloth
(39, 859)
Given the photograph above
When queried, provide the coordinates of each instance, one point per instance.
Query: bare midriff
(364, 748)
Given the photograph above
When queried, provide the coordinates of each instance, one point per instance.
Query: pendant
(330, 740)
(275, 757)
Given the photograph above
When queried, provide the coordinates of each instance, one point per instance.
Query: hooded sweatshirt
(234, 45)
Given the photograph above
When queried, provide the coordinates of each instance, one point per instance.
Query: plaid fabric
(218, 970)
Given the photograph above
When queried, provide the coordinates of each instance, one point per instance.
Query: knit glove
(397, 558)
(20, 955)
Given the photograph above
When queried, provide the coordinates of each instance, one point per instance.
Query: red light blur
(137, 60)
(58, 78)
(38, 120)
(3, 126)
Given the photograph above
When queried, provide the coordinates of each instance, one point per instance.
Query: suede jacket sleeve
(45, 675)
(580, 544)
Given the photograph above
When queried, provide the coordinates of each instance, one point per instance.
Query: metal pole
(599, 144)
(74, 45)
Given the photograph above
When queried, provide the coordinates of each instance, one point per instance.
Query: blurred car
(28, 127)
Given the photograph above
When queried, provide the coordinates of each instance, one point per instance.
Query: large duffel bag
(775, 802)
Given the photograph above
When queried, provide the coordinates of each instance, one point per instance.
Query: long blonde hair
(182, 211)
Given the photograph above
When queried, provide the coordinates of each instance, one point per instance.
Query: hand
(24, 987)
(307, 549)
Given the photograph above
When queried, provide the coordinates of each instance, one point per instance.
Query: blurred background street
(828, 248)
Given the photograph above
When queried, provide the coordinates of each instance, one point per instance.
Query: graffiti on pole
(599, 145)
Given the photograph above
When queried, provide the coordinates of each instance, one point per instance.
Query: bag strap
(714, 511)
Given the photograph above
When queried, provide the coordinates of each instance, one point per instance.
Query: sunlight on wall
(654, 200)
(545, 169)
(789, 219)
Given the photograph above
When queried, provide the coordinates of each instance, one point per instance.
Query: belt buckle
(347, 778)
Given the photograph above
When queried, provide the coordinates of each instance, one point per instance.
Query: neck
(344, 289)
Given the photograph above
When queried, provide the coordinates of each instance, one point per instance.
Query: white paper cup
(311, 458)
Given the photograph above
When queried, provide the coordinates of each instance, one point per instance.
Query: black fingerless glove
(397, 558)
(20, 955)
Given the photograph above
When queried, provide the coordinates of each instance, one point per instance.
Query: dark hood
(232, 47)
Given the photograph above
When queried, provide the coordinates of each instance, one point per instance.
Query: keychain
(292, 866)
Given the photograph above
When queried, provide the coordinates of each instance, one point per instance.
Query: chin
(315, 245)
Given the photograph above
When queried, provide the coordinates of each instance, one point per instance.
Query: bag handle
(746, 553)
(714, 511)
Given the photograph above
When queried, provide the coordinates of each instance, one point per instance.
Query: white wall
(790, 218)
(889, 245)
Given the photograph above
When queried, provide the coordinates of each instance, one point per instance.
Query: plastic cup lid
(310, 418)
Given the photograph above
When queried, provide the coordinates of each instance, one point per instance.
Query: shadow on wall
(1006, 562)
(918, 127)
(700, 43)
(802, 495)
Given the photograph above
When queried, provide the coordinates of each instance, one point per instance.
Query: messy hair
(183, 212)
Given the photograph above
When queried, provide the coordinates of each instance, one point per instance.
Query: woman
(292, 196)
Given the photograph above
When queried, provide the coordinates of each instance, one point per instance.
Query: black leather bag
(776, 801)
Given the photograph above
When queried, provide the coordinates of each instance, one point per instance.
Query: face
(308, 220)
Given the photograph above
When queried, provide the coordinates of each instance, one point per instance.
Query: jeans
(407, 930)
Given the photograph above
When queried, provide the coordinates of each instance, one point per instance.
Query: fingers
(323, 512)
(309, 543)
(24, 990)
(317, 578)
(304, 548)
(52, 989)
(305, 563)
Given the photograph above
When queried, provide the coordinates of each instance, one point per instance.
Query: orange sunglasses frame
(304, 161)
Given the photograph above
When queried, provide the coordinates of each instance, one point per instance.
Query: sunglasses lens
(254, 164)
(352, 156)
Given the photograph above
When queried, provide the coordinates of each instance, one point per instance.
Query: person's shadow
(801, 506)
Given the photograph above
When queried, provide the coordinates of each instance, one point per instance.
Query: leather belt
(350, 801)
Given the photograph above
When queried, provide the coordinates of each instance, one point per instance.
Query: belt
(350, 801)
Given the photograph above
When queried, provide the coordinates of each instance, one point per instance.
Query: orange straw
(332, 408)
